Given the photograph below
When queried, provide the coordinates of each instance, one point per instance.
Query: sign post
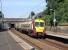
(54, 20)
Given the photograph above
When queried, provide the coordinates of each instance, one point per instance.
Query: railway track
(41, 44)
(54, 43)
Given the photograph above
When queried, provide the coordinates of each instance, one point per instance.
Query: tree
(47, 19)
(31, 15)
(1, 15)
(60, 7)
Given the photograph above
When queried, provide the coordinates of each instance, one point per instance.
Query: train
(33, 27)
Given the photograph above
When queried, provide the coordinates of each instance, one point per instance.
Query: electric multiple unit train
(33, 27)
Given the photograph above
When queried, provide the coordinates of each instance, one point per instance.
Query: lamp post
(54, 19)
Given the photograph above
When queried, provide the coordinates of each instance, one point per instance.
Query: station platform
(57, 34)
(8, 43)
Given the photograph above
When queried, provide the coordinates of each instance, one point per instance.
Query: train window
(36, 23)
(39, 24)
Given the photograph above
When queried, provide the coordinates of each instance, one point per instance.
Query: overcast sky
(22, 8)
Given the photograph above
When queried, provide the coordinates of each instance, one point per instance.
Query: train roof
(39, 20)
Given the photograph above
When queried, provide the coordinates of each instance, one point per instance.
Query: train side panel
(24, 26)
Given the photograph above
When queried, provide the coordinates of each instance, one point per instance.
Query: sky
(22, 8)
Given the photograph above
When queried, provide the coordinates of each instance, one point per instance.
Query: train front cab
(39, 28)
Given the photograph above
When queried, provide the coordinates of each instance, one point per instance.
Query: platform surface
(57, 34)
(8, 43)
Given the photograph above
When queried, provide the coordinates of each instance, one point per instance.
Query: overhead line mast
(1, 4)
(1, 13)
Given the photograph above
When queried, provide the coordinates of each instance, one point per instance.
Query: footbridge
(12, 21)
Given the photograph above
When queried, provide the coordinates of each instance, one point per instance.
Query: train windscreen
(41, 24)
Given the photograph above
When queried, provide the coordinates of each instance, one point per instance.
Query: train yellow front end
(40, 27)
